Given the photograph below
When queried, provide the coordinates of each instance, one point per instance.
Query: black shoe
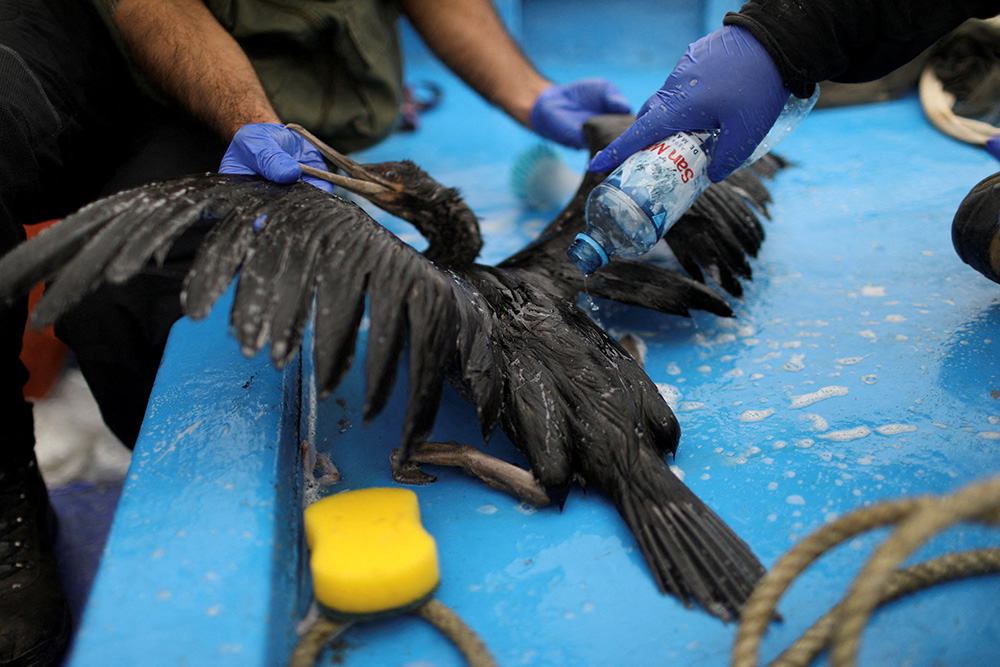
(975, 232)
(34, 615)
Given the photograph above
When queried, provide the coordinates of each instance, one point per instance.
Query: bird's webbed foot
(498, 473)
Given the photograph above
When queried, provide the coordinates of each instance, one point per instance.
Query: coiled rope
(917, 520)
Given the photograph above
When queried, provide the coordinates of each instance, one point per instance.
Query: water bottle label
(682, 151)
(664, 179)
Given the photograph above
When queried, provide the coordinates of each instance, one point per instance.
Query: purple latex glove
(726, 80)
(560, 111)
(993, 146)
(274, 152)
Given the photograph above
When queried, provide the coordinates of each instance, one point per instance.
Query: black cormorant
(510, 337)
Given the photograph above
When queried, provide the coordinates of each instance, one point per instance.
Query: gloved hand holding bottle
(274, 152)
(560, 111)
(726, 81)
(711, 116)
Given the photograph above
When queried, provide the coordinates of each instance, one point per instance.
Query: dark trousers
(74, 126)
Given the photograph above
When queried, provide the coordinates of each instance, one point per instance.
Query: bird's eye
(391, 174)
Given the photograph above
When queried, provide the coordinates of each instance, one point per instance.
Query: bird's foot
(408, 471)
(498, 473)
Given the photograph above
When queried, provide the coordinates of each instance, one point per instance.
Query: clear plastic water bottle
(640, 200)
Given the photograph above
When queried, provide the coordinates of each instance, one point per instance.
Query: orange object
(41, 351)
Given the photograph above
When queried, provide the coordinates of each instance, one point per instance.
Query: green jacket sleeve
(850, 40)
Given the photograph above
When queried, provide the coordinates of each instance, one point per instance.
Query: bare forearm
(184, 51)
(469, 37)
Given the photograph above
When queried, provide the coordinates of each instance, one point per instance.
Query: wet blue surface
(861, 365)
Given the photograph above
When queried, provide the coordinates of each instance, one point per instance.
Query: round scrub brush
(541, 180)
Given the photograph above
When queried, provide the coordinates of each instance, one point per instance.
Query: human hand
(727, 81)
(274, 152)
(993, 146)
(560, 111)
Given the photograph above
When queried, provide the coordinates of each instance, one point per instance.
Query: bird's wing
(295, 250)
(717, 236)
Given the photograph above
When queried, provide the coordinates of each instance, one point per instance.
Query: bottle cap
(587, 254)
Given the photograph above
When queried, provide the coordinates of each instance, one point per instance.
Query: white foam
(873, 290)
(756, 415)
(795, 363)
(847, 434)
(831, 391)
(817, 421)
(850, 361)
(895, 429)
(670, 394)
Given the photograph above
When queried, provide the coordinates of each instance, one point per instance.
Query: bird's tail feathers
(692, 553)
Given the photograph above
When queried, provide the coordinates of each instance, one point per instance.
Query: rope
(454, 628)
(903, 582)
(311, 644)
(435, 612)
(879, 582)
(938, 103)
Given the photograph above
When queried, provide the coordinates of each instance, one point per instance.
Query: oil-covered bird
(510, 337)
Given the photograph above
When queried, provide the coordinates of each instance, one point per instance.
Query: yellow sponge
(370, 553)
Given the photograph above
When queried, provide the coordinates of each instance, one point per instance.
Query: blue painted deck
(861, 365)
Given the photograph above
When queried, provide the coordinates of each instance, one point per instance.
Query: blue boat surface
(861, 366)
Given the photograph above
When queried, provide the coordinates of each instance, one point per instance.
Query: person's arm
(184, 51)
(469, 37)
(181, 47)
(850, 40)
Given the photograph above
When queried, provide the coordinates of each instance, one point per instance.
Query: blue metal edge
(200, 566)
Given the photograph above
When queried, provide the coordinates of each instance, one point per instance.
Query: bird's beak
(358, 180)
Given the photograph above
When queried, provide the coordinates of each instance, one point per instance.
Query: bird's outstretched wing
(294, 248)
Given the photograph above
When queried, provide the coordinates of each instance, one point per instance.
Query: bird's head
(405, 190)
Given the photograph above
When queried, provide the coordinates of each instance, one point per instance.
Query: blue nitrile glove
(993, 146)
(560, 111)
(726, 80)
(274, 152)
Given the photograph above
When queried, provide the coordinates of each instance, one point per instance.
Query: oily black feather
(723, 229)
(578, 406)
(510, 338)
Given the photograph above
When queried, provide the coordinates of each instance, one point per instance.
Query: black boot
(976, 228)
(34, 615)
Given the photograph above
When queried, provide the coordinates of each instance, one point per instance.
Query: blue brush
(541, 180)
